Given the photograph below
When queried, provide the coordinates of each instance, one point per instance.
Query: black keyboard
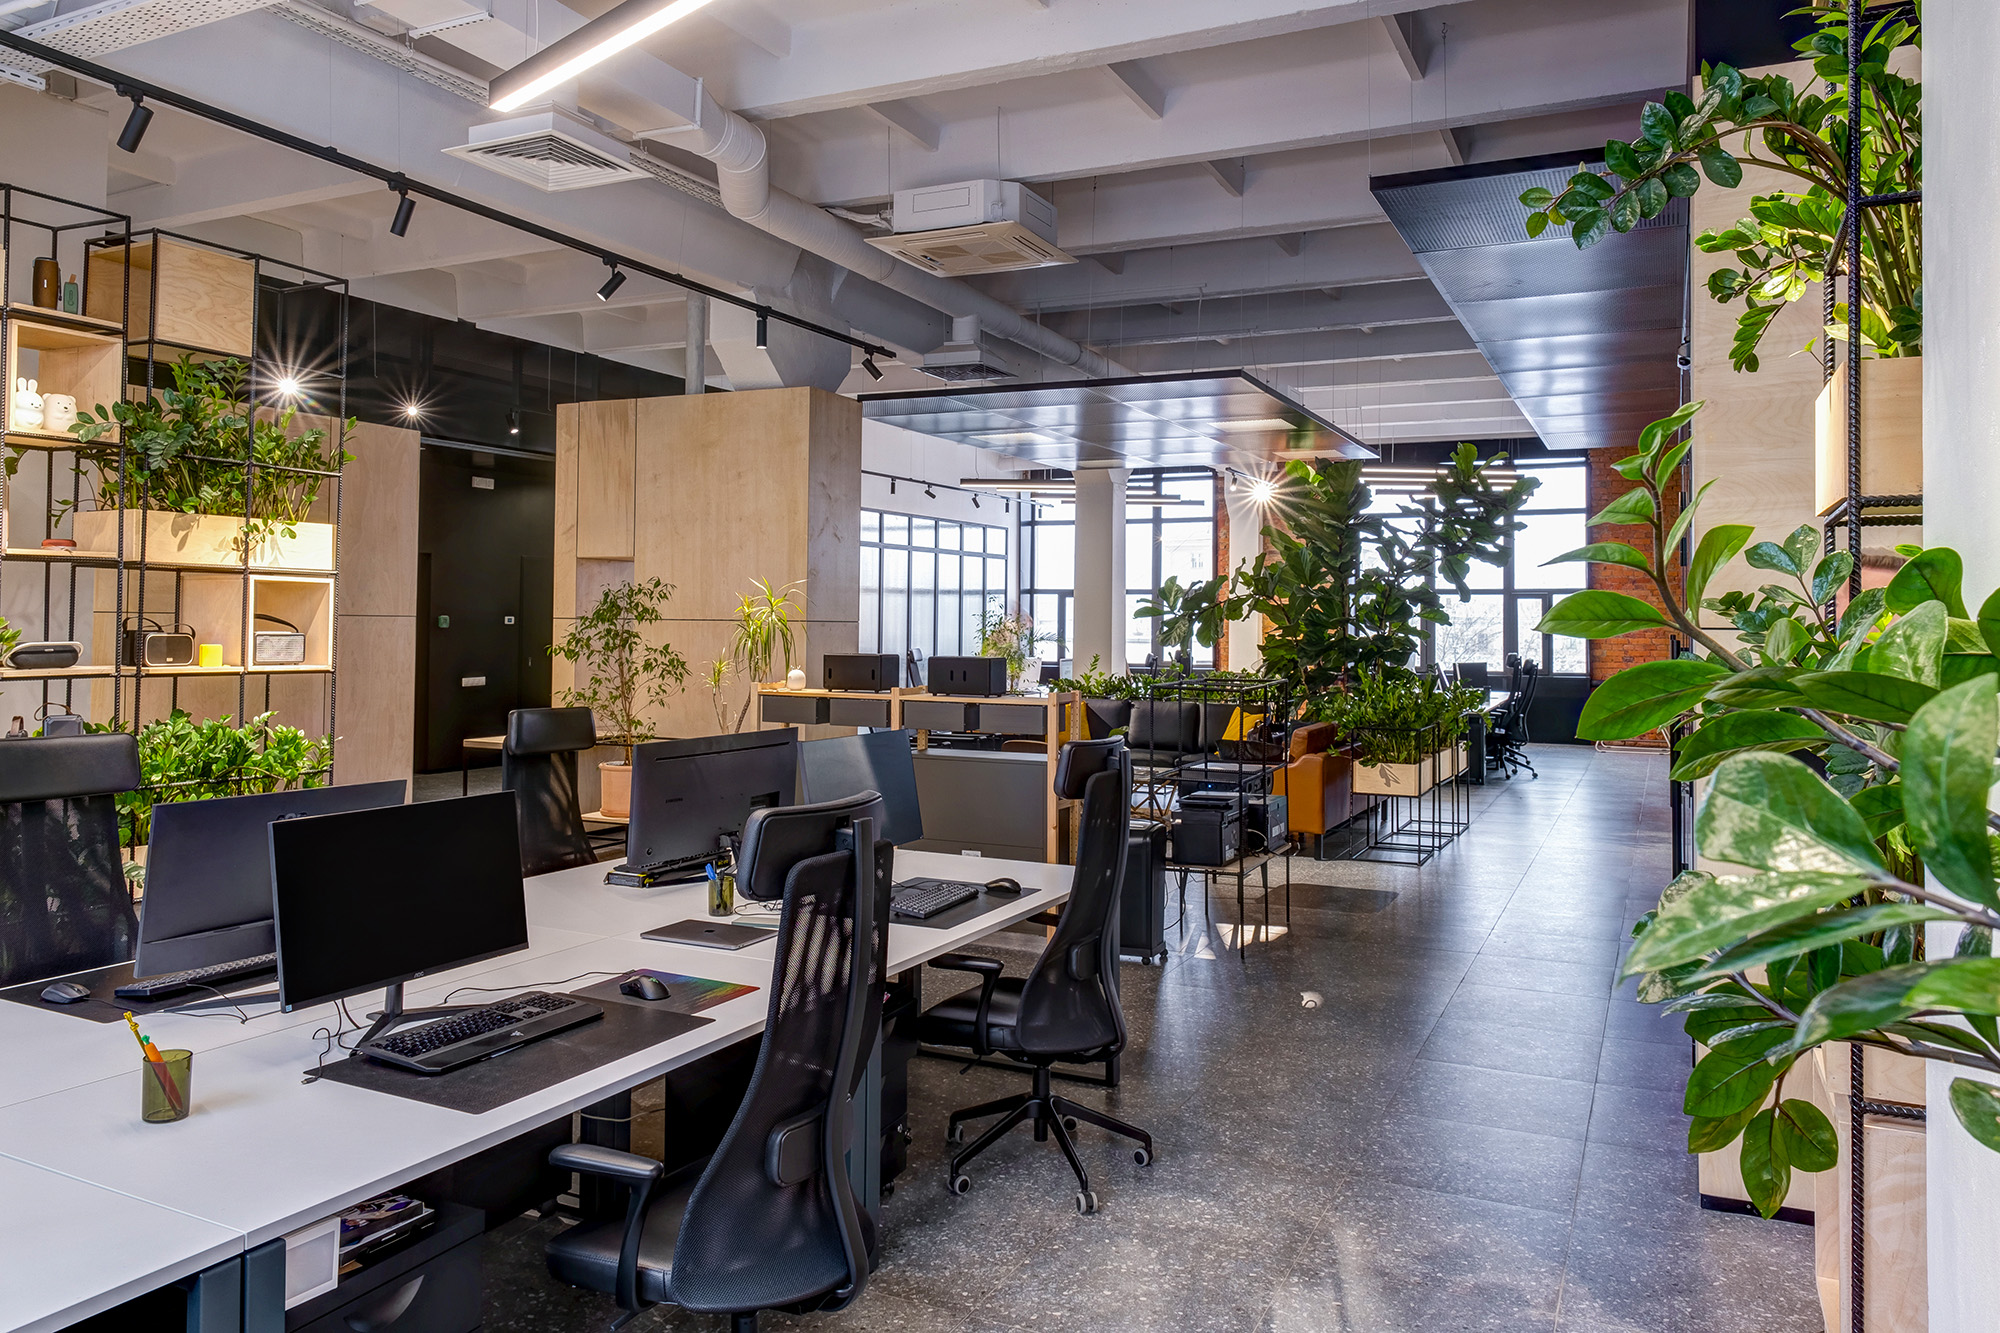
(173, 983)
(477, 1034)
(924, 898)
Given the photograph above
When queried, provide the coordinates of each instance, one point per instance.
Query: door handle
(386, 1311)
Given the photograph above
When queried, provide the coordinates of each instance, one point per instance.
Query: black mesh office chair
(1507, 741)
(1067, 1008)
(538, 764)
(771, 1220)
(64, 905)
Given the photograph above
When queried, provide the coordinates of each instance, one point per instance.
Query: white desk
(265, 1153)
(69, 1249)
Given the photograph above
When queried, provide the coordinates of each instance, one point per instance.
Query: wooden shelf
(39, 439)
(109, 560)
(36, 314)
(57, 673)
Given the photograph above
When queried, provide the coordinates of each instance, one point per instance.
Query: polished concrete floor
(1418, 1107)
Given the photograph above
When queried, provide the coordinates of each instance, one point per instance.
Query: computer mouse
(645, 988)
(1003, 885)
(65, 992)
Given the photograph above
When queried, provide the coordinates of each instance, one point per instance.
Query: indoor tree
(618, 669)
(1849, 758)
(1784, 244)
(1187, 615)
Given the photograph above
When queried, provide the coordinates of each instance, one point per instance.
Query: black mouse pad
(104, 1007)
(490, 1084)
(964, 912)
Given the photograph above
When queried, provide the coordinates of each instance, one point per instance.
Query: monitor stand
(393, 1014)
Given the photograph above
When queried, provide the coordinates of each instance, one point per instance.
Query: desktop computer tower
(862, 671)
(1142, 898)
(982, 676)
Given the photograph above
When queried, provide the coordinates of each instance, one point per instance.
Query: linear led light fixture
(594, 43)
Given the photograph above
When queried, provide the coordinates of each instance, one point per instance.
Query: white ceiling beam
(909, 118)
(1409, 43)
(1291, 243)
(248, 177)
(1230, 174)
(755, 25)
(1281, 95)
(1457, 144)
(869, 56)
(1142, 88)
(1376, 305)
(1112, 262)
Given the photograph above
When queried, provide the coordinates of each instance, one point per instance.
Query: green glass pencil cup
(166, 1087)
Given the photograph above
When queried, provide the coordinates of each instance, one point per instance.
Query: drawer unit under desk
(429, 1284)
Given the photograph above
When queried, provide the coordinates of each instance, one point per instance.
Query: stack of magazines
(373, 1223)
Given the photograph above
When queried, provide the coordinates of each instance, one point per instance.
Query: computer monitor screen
(880, 761)
(687, 794)
(208, 873)
(380, 897)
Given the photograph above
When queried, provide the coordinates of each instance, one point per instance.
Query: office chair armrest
(592, 1160)
(989, 970)
(641, 1173)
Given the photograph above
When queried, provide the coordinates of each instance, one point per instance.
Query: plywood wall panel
(604, 497)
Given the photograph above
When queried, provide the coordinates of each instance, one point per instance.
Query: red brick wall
(1608, 657)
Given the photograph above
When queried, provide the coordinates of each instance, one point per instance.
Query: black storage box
(1209, 831)
(862, 671)
(1223, 775)
(795, 710)
(1265, 824)
(983, 676)
(1142, 900)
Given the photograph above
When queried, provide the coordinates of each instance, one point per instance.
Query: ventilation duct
(550, 150)
(964, 360)
(675, 178)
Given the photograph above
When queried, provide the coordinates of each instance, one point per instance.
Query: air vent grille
(976, 372)
(963, 252)
(550, 151)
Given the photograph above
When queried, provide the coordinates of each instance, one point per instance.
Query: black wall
(1747, 33)
(483, 555)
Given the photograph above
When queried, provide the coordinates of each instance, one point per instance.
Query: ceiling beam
(1300, 349)
(1230, 174)
(1409, 42)
(755, 25)
(1457, 143)
(908, 118)
(1290, 243)
(1144, 91)
(1376, 305)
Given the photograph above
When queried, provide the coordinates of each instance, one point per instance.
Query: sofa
(1318, 783)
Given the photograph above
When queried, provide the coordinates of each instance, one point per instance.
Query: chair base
(1052, 1116)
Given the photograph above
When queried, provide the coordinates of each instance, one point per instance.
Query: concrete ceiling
(1209, 163)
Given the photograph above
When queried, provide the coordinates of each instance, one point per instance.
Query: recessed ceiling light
(1248, 424)
(1013, 437)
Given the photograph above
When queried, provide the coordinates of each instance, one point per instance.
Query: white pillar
(1961, 497)
(696, 375)
(1099, 608)
(1246, 521)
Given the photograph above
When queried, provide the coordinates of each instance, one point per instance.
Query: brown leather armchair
(1318, 784)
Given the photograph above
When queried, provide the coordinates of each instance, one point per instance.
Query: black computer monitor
(376, 898)
(208, 873)
(879, 761)
(686, 795)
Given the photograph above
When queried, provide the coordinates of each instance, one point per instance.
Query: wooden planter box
(1892, 432)
(1396, 779)
(201, 539)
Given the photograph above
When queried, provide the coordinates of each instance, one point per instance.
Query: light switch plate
(469, 681)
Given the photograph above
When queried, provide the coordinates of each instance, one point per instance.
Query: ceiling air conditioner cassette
(973, 227)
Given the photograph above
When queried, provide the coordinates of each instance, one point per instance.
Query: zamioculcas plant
(1847, 755)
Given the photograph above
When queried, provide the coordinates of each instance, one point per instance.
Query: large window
(926, 583)
(1508, 603)
(1176, 540)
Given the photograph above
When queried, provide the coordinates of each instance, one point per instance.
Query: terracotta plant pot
(615, 789)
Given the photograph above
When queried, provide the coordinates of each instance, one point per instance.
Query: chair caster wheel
(1069, 1123)
(1086, 1203)
(1143, 1157)
(960, 1184)
(956, 1134)
(908, 1138)
(888, 1191)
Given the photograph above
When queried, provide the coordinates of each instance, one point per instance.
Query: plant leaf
(1977, 1106)
(1686, 516)
(1866, 694)
(1913, 647)
(1759, 687)
(1605, 553)
(1773, 813)
(1634, 702)
(1947, 772)
(1989, 622)
(1726, 910)
(1717, 547)
(1600, 614)
(1807, 1136)
(1816, 932)
(1721, 167)
(1714, 1133)
(1935, 575)
(1830, 573)
(1770, 555)
(1858, 1004)
(1970, 984)
(1635, 506)
(1733, 733)
(1725, 1081)
(1767, 1176)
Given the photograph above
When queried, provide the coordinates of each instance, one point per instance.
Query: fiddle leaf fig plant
(1895, 701)
(1187, 615)
(1784, 244)
(618, 669)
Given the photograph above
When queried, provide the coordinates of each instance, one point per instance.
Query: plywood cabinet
(183, 295)
(1892, 431)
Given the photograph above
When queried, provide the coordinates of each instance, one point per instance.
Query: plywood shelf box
(212, 607)
(87, 366)
(203, 541)
(206, 298)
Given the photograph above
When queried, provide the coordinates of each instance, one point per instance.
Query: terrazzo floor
(1469, 1131)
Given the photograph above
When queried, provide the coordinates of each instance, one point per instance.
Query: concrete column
(1961, 492)
(697, 343)
(1099, 607)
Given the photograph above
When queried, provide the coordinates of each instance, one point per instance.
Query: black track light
(928, 491)
(406, 208)
(612, 283)
(135, 126)
(874, 371)
(513, 421)
(763, 328)
(975, 502)
(892, 485)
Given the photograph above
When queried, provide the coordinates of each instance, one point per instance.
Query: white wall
(1961, 498)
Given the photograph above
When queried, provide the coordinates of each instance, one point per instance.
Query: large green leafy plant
(1188, 614)
(763, 636)
(1847, 754)
(1398, 719)
(620, 671)
(1347, 592)
(1784, 245)
(181, 759)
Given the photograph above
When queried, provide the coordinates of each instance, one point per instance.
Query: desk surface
(266, 1152)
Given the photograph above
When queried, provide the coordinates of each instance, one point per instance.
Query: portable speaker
(861, 671)
(984, 676)
(146, 644)
(45, 656)
(285, 647)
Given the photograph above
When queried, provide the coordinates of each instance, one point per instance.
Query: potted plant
(1187, 615)
(181, 485)
(1009, 635)
(1856, 861)
(1107, 699)
(1403, 730)
(620, 671)
(181, 759)
(763, 638)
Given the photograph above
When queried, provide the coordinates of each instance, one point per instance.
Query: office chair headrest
(775, 840)
(550, 730)
(1080, 761)
(55, 767)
